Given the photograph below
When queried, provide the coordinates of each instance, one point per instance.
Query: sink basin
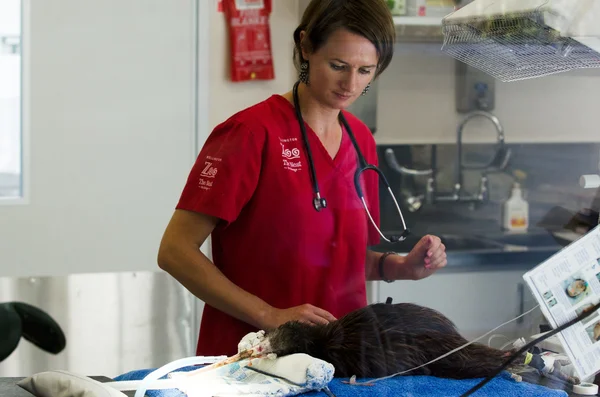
(529, 240)
(468, 243)
(472, 243)
(452, 243)
(494, 251)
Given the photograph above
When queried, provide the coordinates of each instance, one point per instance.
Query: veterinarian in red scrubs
(274, 185)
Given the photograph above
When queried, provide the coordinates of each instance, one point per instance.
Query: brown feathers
(384, 339)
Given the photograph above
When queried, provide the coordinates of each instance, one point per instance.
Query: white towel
(284, 376)
(257, 377)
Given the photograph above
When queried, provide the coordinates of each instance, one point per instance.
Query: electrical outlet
(475, 90)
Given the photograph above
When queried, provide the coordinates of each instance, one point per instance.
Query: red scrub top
(253, 173)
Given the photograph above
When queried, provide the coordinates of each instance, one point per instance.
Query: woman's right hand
(306, 313)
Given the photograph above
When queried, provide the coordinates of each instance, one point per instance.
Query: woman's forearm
(201, 277)
(392, 269)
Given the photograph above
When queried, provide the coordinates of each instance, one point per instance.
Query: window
(10, 100)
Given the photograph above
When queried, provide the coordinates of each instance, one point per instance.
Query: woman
(277, 255)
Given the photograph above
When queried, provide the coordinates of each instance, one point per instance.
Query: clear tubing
(170, 367)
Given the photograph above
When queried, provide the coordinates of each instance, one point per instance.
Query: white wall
(110, 113)
(417, 104)
(111, 120)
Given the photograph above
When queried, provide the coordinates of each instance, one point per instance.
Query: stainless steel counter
(113, 322)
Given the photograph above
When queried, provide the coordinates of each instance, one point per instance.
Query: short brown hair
(371, 19)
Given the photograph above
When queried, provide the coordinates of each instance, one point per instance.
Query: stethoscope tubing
(320, 202)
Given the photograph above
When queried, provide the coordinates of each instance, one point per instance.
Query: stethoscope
(320, 202)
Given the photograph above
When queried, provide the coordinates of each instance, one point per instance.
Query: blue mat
(409, 386)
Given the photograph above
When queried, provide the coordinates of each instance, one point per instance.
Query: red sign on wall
(250, 39)
(242, 4)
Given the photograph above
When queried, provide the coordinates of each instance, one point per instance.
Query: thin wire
(510, 342)
(491, 338)
(447, 354)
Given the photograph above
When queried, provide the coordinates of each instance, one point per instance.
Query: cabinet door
(476, 302)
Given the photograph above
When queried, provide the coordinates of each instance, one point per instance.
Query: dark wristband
(381, 262)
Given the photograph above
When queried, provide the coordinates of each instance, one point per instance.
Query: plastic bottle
(397, 7)
(515, 214)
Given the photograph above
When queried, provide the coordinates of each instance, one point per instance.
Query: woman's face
(341, 69)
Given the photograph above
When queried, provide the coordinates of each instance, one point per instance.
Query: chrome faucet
(390, 157)
(497, 163)
(413, 201)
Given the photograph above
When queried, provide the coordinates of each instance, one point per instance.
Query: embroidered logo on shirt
(289, 155)
(209, 171)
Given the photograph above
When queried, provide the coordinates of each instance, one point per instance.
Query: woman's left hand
(427, 256)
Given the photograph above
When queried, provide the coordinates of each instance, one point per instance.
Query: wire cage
(515, 47)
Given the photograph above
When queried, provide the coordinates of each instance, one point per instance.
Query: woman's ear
(304, 53)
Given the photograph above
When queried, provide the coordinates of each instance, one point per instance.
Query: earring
(366, 89)
(304, 72)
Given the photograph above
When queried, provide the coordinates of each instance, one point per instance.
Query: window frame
(24, 197)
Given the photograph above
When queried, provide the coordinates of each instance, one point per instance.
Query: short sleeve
(225, 174)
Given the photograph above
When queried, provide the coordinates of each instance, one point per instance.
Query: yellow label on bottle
(518, 221)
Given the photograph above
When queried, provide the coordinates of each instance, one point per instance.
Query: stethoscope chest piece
(319, 203)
